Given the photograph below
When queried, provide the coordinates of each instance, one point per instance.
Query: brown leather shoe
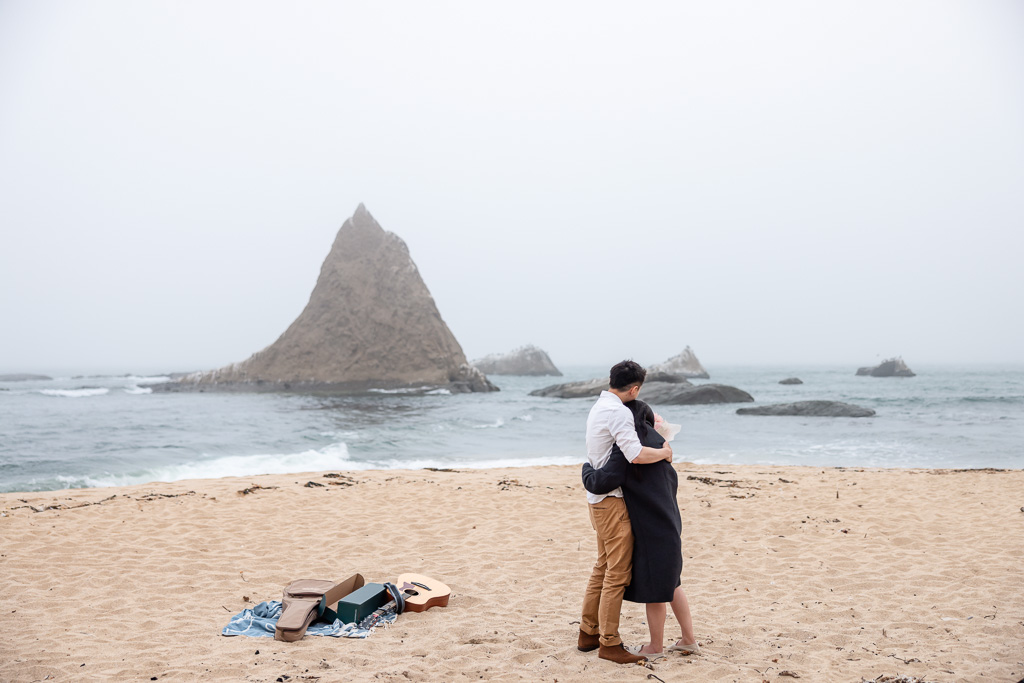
(588, 642)
(618, 654)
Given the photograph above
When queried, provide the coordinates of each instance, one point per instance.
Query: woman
(650, 495)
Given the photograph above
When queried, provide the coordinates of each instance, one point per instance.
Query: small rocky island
(370, 323)
(791, 380)
(893, 367)
(22, 377)
(684, 365)
(526, 360)
(810, 409)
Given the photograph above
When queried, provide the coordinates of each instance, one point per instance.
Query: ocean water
(108, 431)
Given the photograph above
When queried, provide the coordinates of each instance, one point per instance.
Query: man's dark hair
(626, 374)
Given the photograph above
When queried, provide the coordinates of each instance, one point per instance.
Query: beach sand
(834, 574)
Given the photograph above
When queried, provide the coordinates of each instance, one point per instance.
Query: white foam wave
(466, 464)
(138, 390)
(332, 457)
(439, 392)
(493, 425)
(75, 393)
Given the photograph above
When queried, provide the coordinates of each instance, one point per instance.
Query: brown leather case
(302, 599)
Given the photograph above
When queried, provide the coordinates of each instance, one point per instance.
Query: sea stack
(370, 323)
(684, 365)
(526, 360)
(893, 367)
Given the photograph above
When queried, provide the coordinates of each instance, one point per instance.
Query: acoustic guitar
(422, 592)
(419, 593)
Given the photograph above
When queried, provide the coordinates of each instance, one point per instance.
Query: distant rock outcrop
(21, 377)
(581, 389)
(370, 323)
(685, 364)
(676, 392)
(894, 367)
(666, 384)
(810, 409)
(526, 360)
(791, 380)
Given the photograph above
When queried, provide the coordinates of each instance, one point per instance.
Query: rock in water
(582, 389)
(662, 393)
(526, 360)
(685, 365)
(675, 392)
(370, 323)
(893, 367)
(791, 380)
(810, 409)
(666, 384)
(21, 377)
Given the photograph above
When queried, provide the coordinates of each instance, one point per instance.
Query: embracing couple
(631, 491)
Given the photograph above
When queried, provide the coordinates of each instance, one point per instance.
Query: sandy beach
(830, 574)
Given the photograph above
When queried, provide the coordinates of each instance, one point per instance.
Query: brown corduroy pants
(603, 600)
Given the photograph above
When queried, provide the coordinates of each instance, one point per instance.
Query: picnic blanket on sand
(260, 621)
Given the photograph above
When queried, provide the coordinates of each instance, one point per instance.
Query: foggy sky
(794, 182)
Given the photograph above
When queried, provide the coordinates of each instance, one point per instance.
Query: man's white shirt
(610, 423)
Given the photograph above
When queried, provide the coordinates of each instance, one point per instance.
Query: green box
(361, 603)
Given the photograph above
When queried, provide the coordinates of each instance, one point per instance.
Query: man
(611, 423)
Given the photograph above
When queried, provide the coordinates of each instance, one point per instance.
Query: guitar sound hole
(410, 591)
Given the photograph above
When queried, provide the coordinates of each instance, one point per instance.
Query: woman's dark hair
(625, 374)
(642, 413)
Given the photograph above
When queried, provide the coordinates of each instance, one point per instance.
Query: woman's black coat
(650, 495)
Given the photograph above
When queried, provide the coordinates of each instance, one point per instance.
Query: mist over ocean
(109, 431)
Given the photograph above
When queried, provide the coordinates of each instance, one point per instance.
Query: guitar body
(422, 592)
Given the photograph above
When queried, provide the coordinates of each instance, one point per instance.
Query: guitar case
(306, 600)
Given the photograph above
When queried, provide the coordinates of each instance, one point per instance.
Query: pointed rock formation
(685, 365)
(370, 323)
(526, 360)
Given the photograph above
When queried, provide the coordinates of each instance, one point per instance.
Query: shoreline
(833, 573)
(503, 464)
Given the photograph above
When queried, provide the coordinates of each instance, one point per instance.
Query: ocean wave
(463, 464)
(497, 424)
(75, 393)
(340, 434)
(401, 390)
(332, 457)
(992, 399)
(138, 390)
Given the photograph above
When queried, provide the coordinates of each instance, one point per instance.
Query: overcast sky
(783, 182)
